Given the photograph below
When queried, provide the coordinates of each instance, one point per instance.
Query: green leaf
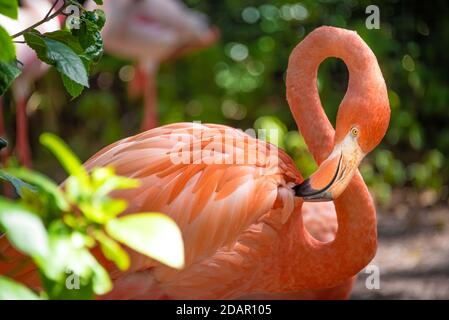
(113, 251)
(36, 42)
(11, 290)
(73, 88)
(153, 234)
(69, 255)
(8, 51)
(42, 183)
(59, 54)
(103, 209)
(8, 73)
(99, 18)
(72, 288)
(65, 37)
(66, 61)
(24, 229)
(65, 156)
(17, 183)
(105, 181)
(99, 2)
(9, 8)
(89, 34)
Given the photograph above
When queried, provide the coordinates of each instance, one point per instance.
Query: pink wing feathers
(227, 212)
(213, 204)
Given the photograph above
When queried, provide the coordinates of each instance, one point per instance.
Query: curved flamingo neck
(320, 264)
(365, 81)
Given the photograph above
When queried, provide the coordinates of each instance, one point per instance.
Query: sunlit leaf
(24, 229)
(102, 210)
(113, 251)
(9, 8)
(153, 234)
(69, 256)
(11, 290)
(105, 181)
(65, 156)
(8, 51)
(70, 288)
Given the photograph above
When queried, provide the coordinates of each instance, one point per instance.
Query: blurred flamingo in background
(243, 223)
(150, 32)
(31, 12)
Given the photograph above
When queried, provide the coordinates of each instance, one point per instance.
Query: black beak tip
(304, 189)
(308, 193)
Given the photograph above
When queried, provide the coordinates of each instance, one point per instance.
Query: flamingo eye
(355, 132)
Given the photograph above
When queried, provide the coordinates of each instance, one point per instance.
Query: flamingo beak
(334, 173)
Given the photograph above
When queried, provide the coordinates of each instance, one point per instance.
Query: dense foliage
(57, 228)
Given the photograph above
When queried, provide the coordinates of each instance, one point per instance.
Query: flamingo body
(239, 201)
(224, 211)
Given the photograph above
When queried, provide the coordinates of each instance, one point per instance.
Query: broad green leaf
(35, 41)
(113, 207)
(8, 73)
(24, 229)
(11, 290)
(41, 182)
(65, 156)
(103, 209)
(8, 50)
(69, 255)
(17, 183)
(113, 251)
(73, 88)
(59, 54)
(99, 2)
(104, 181)
(74, 190)
(67, 38)
(101, 282)
(66, 61)
(9, 8)
(153, 234)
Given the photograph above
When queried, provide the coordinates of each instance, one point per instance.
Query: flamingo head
(362, 122)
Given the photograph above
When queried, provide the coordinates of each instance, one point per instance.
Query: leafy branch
(72, 51)
(57, 227)
(47, 17)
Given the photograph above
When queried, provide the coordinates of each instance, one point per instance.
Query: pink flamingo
(31, 12)
(242, 221)
(149, 32)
